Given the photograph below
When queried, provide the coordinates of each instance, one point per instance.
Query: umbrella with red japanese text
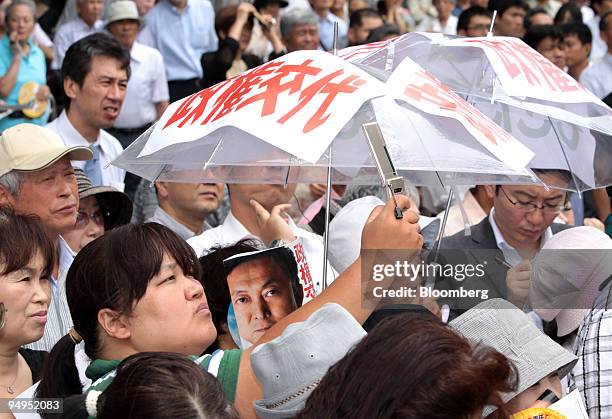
(566, 126)
(282, 121)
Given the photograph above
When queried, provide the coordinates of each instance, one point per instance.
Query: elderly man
(146, 96)
(87, 22)
(36, 177)
(182, 30)
(183, 207)
(299, 30)
(95, 73)
(501, 246)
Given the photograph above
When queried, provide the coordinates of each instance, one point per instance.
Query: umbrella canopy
(281, 122)
(566, 126)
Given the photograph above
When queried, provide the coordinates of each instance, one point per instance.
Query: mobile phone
(393, 183)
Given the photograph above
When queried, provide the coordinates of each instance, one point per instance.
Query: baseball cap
(29, 148)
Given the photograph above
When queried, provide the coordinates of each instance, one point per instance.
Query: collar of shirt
(72, 137)
(166, 219)
(66, 256)
(174, 9)
(97, 26)
(138, 53)
(510, 253)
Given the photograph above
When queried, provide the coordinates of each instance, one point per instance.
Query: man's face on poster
(261, 295)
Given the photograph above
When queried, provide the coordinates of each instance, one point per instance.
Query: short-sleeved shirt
(224, 365)
(147, 86)
(31, 68)
(192, 34)
(67, 34)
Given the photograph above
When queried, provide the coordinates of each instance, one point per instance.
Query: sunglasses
(2, 315)
(548, 396)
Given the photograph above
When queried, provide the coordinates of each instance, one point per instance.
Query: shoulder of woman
(35, 360)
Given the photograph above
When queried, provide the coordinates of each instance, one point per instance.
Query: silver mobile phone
(393, 183)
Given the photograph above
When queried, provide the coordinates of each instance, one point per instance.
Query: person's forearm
(602, 203)
(8, 81)
(48, 51)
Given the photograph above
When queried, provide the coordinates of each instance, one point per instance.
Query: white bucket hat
(566, 276)
(291, 366)
(499, 324)
(122, 10)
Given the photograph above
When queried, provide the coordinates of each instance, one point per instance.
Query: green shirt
(224, 365)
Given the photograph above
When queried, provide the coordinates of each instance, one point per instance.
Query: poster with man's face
(261, 292)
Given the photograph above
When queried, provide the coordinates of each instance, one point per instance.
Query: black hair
(356, 18)
(531, 13)
(215, 282)
(382, 32)
(537, 34)
(573, 9)
(79, 56)
(466, 16)
(582, 31)
(111, 272)
(603, 23)
(502, 5)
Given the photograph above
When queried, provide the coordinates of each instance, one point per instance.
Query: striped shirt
(59, 320)
(592, 374)
(224, 365)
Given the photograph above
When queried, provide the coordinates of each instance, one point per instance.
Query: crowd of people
(129, 298)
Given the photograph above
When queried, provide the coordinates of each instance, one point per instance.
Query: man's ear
(114, 324)
(5, 197)
(71, 88)
(490, 190)
(162, 191)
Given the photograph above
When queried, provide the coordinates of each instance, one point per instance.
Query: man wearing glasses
(505, 242)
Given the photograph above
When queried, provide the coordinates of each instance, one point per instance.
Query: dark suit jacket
(478, 249)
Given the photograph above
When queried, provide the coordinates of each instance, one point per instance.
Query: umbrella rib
(565, 157)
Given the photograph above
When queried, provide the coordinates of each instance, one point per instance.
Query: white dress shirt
(598, 46)
(598, 77)
(232, 231)
(511, 255)
(110, 148)
(147, 86)
(434, 25)
(68, 34)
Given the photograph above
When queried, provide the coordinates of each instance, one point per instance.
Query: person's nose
(194, 289)
(536, 217)
(94, 229)
(40, 295)
(261, 310)
(114, 92)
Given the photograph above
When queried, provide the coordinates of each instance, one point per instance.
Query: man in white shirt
(87, 22)
(242, 222)
(599, 45)
(146, 97)
(445, 22)
(95, 74)
(598, 77)
(326, 20)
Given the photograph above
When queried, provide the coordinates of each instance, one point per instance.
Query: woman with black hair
(135, 289)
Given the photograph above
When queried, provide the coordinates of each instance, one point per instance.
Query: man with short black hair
(510, 17)
(537, 16)
(577, 39)
(474, 21)
(548, 41)
(95, 72)
(362, 22)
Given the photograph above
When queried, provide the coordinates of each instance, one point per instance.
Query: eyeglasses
(84, 218)
(2, 315)
(532, 206)
(479, 27)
